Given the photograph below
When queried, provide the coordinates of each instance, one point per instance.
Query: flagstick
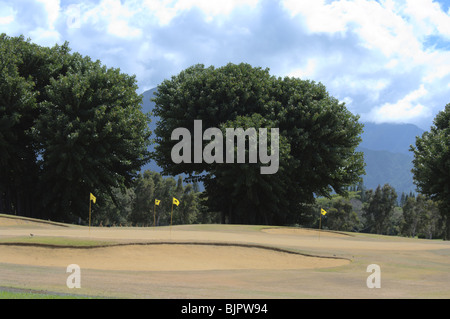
(154, 218)
(89, 217)
(171, 213)
(320, 224)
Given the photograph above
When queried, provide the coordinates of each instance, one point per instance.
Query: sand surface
(150, 254)
(223, 261)
(176, 257)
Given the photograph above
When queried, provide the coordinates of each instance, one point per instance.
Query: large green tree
(319, 136)
(432, 164)
(26, 69)
(68, 126)
(92, 135)
(17, 109)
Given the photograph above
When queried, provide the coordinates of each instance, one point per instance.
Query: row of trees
(70, 126)
(379, 211)
(371, 211)
(317, 149)
(136, 205)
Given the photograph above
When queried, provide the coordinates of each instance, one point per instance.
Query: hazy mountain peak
(390, 137)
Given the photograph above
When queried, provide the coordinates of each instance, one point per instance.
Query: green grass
(55, 241)
(36, 295)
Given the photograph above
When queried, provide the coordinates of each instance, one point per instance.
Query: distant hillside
(386, 167)
(395, 138)
(147, 106)
(385, 147)
(387, 156)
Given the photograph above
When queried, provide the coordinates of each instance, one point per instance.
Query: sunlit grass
(56, 241)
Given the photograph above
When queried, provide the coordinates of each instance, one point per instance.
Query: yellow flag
(93, 198)
(323, 211)
(175, 201)
(157, 201)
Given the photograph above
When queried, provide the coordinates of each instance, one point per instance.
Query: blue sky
(389, 61)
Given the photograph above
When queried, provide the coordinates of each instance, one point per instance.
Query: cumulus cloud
(164, 11)
(387, 59)
(404, 110)
(6, 14)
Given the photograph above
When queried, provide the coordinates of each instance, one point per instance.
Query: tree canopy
(68, 126)
(432, 164)
(318, 138)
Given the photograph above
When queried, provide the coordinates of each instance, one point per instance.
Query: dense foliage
(136, 206)
(375, 211)
(432, 164)
(318, 139)
(68, 126)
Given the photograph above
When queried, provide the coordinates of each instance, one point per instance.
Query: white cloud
(438, 66)
(166, 10)
(358, 84)
(45, 36)
(6, 15)
(318, 16)
(379, 26)
(372, 54)
(348, 103)
(391, 64)
(347, 100)
(428, 17)
(7, 19)
(391, 54)
(53, 9)
(121, 29)
(114, 17)
(404, 110)
(307, 71)
(215, 8)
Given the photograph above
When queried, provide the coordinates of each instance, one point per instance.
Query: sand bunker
(164, 257)
(154, 256)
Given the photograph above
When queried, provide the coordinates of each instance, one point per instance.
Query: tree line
(135, 206)
(70, 126)
(379, 211)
